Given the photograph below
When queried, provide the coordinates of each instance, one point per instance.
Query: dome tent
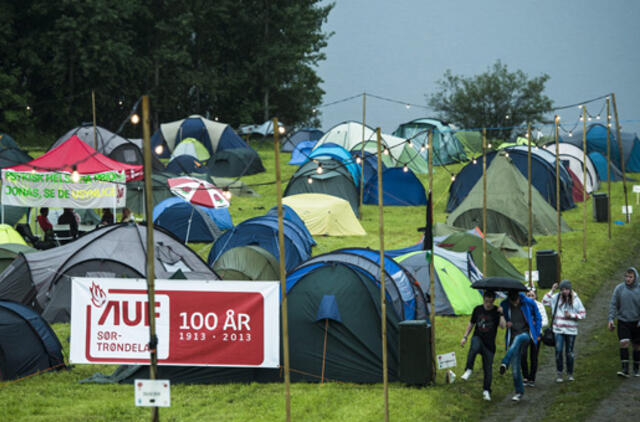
(247, 263)
(446, 145)
(189, 222)
(574, 156)
(235, 162)
(293, 139)
(325, 215)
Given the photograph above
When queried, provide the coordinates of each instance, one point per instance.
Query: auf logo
(98, 296)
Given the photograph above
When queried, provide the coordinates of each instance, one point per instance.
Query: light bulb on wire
(75, 176)
(227, 194)
(423, 148)
(159, 149)
(453, 177)
(309, 180)
(386, 151)
(405, 168)
(358, 160)
(319, 169)
(135, 119)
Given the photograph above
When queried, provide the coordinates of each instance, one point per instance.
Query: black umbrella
(499, 283)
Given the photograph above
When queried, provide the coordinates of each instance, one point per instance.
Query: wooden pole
(622, 163)
(584, 184)
(95, 126)
(283, 275)
(609, 165)
(432, 271)
(383, 306)
(530, 236)
(148, 196)
(484, 202)
(558, 213)
(364, 115)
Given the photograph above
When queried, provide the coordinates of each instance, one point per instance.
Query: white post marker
(534, 275)
(627, 209)
(447, 360)
(636, 190)
(152, 393)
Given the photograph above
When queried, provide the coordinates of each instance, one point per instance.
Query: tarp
(181, 218)
(447, 148)
(507, 205)
(574, 156)
(325, 215)
(42, 279)
(247, 263)
(293, 139)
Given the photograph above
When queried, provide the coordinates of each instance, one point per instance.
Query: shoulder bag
(548, 338)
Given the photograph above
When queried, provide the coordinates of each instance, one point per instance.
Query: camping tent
(185, 164)
(574, 156)
(192, 147)
(28, 345)
(507, 205)
(264, 129)
(600, 163)
(189, 222)
(214, 136)
(294, 138)
(9, 235)
(453, 292)
(235, 162)
(399, 187)
(325, 215)
(446, 145)
(301, 152)
(10, 152)
(328, 176)
(597, 142)
(336, 152)
(42, 279)
(502, 241)
(247, 263)
(9, 251)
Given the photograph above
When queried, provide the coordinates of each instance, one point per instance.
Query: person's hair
(44, 211)
(534, 291)
(513, 295)
(569, 299)
(489, 293)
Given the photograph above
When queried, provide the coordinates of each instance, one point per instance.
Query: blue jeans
(487, 360)
(565, 341)
(513, 356)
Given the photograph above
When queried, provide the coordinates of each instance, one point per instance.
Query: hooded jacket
(565, 320)
(531, 315)
(625, 301)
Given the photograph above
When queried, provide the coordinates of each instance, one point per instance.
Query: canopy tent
(192, 147)
(453, 293)
(28, 345)
(597, 142)
(301, 152)
(507, 205)
(293, 139)
(543, 176)
(191, 223)
(447, 148)
(235, 162)
(213, 135)
(399, 187)
(42, 279)
(325, 215)
(247, 263)
(333, 179)
(574, 156)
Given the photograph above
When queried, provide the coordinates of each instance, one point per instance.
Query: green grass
(59, 397)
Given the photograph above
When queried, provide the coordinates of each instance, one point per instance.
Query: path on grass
(621, 403)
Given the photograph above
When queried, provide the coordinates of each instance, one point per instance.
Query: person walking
(625, 307)
(533, 350)
(486, 318)
(567, 310)
(523, 326)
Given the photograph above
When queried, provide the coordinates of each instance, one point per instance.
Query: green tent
(452, 291)
(447, 147)
(501, 241)
(8, 251)
(507, 205)
(247, 263)
(497, 264)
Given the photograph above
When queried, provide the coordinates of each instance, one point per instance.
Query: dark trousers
(534, 351)
(487, 360)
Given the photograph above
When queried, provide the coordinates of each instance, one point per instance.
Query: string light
(570, 134)
(405, 168)
(226, 193)
(453, 177)
(581, 118)
(319, 169)
(506, 154)
(489, 146)
(75, 176)
(309, 180)
(423, 148)
(314, 111)
(386, 151)
(475, 161)
(507, 117)
(159, 149)
(410, 143)
(597, 117)
(28, 108)
(216, 118)
(281, 130)
(580, 106)
(135, 119)
(407, 106)
(589, 118)
(358, 160)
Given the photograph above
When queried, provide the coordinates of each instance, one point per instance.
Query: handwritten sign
(447, 360)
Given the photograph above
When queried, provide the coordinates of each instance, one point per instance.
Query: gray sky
(399, 49)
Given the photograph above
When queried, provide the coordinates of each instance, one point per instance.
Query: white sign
(534, 274)
(630, 208)
(636, 188)
(154, 393)
(448, 360)
(198, 323)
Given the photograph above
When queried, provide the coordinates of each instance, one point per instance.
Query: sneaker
(636, 373)
(503, 368)
(571, 378)
(466, 374)
(623, 374)
(531, 383)
(559, 378)
(486, 395)
(517, 397)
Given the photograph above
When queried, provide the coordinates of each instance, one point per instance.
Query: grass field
(59, 397)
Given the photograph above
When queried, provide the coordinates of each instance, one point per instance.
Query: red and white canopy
(198, 192)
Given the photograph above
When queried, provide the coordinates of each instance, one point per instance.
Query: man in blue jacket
(523, 325)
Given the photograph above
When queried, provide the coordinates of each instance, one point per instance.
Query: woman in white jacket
(565, 323)
(529, 373)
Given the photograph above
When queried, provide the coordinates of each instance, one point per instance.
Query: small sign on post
(152, 393)
(627, 209)
(447, 360)
(534, 275)
(636, 190)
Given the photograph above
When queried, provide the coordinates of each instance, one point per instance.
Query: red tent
(576, 188)
(74, 152)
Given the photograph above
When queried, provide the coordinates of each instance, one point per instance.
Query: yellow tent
(325, 215)
(9, 235)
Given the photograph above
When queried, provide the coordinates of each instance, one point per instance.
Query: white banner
(199, 323)
(31, 189)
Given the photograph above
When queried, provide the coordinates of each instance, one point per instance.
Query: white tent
(575, 157)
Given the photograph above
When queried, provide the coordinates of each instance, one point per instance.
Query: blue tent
(543, 177)
(214, 136)
(263, 232)
(330, 150)
(597, 142)
(289, 214)
(300, 135)
(301, 152)
(600, 163)
(398, 188)
(180, 217)
(185, 164)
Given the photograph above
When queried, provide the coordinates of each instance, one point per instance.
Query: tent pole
(383, 305)
(557, 128)
(283, 275)
(153, 340)
(584, 184)
(95, 129)
(186, 239)
(529, 241)
(364, 115)
(324, 349)
(609, 165)
(622, 163)
(484, 202)
(432, 271)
